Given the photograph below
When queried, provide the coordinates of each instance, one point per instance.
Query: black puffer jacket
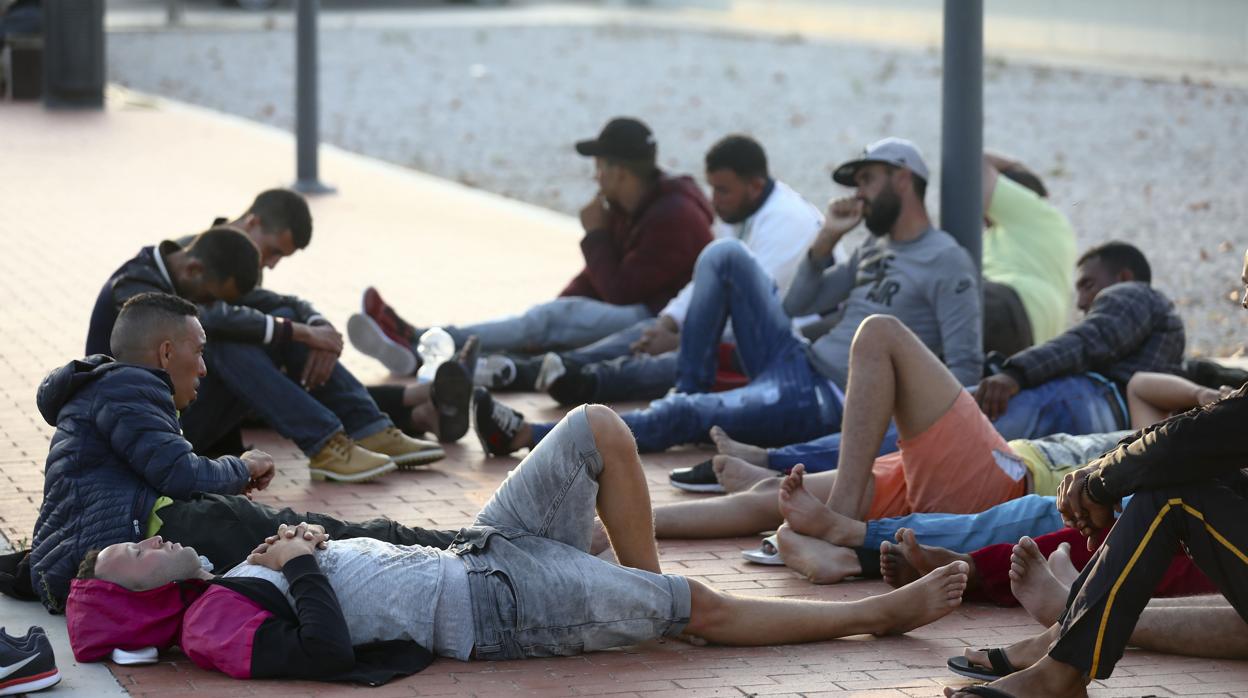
(117, 447)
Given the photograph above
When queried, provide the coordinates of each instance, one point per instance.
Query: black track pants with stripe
(1210, 519)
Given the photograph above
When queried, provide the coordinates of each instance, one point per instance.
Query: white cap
(891, 151)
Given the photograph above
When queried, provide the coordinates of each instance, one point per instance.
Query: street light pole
(307, 137)
(962, 125)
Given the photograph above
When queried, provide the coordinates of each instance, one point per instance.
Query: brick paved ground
(84, 191)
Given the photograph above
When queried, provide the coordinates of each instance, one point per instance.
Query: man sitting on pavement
(643, 230)
(1188, 488)
(526, 550)
(639, 363)
(908, 269)
(118, 468)
(1028, 255)
(254, 336)
(1128, 327)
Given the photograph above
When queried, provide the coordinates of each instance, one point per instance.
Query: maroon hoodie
(647, 256)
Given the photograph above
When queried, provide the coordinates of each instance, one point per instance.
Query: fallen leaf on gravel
(1199, 205)
(1225, 246)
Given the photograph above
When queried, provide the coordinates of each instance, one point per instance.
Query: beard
(883, 212)
(733, 217)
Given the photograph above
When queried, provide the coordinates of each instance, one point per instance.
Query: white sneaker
(494, 371)
(551, 371)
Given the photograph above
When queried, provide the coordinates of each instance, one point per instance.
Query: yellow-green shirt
(153, 521)
(1031, 248)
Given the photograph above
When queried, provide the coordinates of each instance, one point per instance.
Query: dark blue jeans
(1083, 404)
(786, 401)
(262, 380)
(822, 453)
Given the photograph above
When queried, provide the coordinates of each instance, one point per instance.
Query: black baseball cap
(623, 138)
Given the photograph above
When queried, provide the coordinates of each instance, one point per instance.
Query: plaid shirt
(1130, 327)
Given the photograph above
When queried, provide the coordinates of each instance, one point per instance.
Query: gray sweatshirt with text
(929, 283)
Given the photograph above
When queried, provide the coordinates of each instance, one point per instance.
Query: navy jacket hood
(59, 386)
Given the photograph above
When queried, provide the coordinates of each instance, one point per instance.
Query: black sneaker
(30, 669)
(699, 478)
(21, 642)
(575, 387)
(495, 423)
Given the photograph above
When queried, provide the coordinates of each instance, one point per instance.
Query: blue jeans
(613, 346)
(822, 453)
(785, 402)
(1032, 515)
(248, 378)
(641, 377)
(1082, 404)
(571, 321)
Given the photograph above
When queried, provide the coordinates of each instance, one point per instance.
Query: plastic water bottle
(434, 349)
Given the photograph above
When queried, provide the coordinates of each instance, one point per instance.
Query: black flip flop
(986, 691)
(1001, 666)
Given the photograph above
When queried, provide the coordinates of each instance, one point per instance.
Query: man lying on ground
(1073, 384)
(119, 469)
(303, 610)
(643, 230)
(1189, 489)
(270, 355)
(907, 269)
(951, 461)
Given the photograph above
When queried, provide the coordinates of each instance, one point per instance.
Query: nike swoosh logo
(6, 670)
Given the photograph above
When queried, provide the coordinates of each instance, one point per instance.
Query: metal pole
(962, 125)
(307, 138)
(173, 12)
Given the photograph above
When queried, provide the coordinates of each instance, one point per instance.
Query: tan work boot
(406, 451)
(345, 461)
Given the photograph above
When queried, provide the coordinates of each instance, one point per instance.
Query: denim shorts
(535, 589)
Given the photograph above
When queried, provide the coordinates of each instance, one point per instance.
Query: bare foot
(894, 567)
(1035, 587)
(1021, 654)
(737, 475)
(801, 510)
(728, 447)
(1048, 678)
(817, 560)
(1061, 566)
(924, 558)
(922, 602)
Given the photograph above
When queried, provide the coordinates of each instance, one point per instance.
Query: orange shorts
(959, 465)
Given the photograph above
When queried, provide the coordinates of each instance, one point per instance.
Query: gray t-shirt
(929, 283)
(393, 592)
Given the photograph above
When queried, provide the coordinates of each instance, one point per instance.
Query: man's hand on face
(594, 215)
(317, 368)
(289, 543)
(657, 339)
(1077, 508)
(843, 216)
(261, 469)
(994, 393)
(319, 337)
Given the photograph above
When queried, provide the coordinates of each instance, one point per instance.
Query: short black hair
(228, 253)
(1118, 255)
(281, 209)
(740, 154)
(1028, 179)
(141, 317)
(920, 184)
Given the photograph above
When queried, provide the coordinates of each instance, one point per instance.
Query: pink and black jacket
(243, 627)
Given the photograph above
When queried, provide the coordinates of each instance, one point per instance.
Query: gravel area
(1160, 164)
